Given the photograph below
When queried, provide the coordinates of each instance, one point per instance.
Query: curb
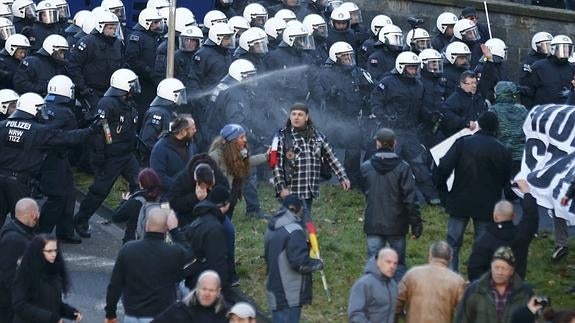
(235, 294)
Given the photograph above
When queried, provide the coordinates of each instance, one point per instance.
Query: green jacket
(478, 305)
(511, 117)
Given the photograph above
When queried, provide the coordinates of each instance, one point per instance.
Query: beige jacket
(429, 293)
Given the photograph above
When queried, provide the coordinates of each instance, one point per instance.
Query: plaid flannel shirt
(500, 300)
(301, 174)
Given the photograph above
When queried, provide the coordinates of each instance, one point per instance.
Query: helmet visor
(248, 74)
(181, 96)
(63, 12)
(259, 46)
(30, 11)
(228, 41)
(120, 12)
(471, 34)
(320, 30)
(48, 16)
(7, 15)
(333, 4)
(347, 58)
(421, 44)
(356, 17)
(7, 31)
(7, 106)
(259, 20)
(544, 47)
(135, 87)
(304, 42)
(189, 44)
(563, 50)
(434, 66)
(395, 40)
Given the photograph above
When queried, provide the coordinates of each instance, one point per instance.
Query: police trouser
(126, 166)
(57, 183)
(11, 191)
(6, 312)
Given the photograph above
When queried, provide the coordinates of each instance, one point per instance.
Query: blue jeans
(455, 230)
(250, 192)
(133, 319)
(231, 237)
(288, 315)
(396, 242)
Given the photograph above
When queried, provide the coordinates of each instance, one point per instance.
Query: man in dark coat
(482, 166)
(14, 238)
(504, 233)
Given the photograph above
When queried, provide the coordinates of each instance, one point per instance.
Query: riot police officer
(76, 26)
(356, 23)
(36, 70)
(367, 47)
(434, 95)
(15, 50)
(6, 30)
(190, 40)
(444, 23)
(417, 39)
(390, 43)
(117, 8)
(112, 152)
(211, 18)
(491, 69)
(8, 99)
(317, 27)
(467, 32)
(343, 90)
(170, 94)
(57, 179)
(540, 48)
(274, 28)
(24, 12)
(47, 23)
(256, 15)
(95, 57)
(457, 56)
(253, 46)
(340, 28)
(22, 142)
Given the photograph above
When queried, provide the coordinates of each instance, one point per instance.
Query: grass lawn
(338, 217)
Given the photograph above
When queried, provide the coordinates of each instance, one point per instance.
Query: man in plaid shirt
(300, 148)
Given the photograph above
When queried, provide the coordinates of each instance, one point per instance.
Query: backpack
(143, 216)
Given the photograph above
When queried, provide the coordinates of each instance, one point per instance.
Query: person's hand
(472, 125)
(346, 184)
(201, 193)
(172, 222)
(284, 192)
(78, 317)
(532, 306)
(416, 231)
(486, 52)
(523, 185)
(125, 195)
(564, 201)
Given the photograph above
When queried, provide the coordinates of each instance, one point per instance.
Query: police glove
(311, 266)
(96, 125)
(417, 230)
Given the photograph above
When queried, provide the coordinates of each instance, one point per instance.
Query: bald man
(504, 233)
(373, 296)
(146, 272)
(14, 237)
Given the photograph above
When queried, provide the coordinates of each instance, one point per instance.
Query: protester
(242, 312)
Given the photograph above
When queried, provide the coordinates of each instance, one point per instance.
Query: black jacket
(482, 167)
(141, 46)
(334, 36)
(524, 74)
(145, 276)
(451, 74)
(211, 63)
(390, 196)
(41, 31)
(14, 238)
(381, 62)
(289, 85)
(122, 118)
(157, 119)
(548, 80)
(490, 74)
(189, 310)
(35, 71)
(8, 67)
(460, 108)
(168, 158)
(129, 211)
(505, 234)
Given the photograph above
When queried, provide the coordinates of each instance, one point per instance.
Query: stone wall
(512, 22)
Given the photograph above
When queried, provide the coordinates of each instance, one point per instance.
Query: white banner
(549, 157)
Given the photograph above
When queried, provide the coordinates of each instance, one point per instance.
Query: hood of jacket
(282, 218)
(372, 269)
(384, 161)
(205, 208)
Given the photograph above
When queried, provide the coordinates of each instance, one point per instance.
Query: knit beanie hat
(232, 131)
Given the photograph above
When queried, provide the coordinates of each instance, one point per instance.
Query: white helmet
(541, 42)
(8, 100)
(6, 28)
(104, 18)
(78, 21)
(173, 90)
(149, 16)
(61, 85)
(406, 59)
(30, 103)
(392, 36)
(184, 19)
(561, 47)
(256, 14)
(222, 35)
(254, 40)
(378, 22)
(316, 25)
(47, 12)
(286, 14)
(498, 49)
(213, 17)
(354, 12)
(158, 4)
(16, 41)
(123, 81)
(24, 9)
(89, 23)
(192, 35)
(296, 35)
(342, 53)
(116, 7)
(340, 14)
(431, 61)
(5, 11)
(456, 49)
(466, 29)
(239, 24)
(418, 39)
(54, 43)
(275, 27)
(63, 9)
(241, 69)
(445, 20)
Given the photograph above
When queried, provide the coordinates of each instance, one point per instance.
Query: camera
(543, 301)
(415, 22)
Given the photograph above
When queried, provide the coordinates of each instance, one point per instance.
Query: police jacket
(289, 267)
(169, 157)
(321, 52)
(289, 84)
(93, 61)
(160, 62)
(8, 67)
(21, 23)
(121, 117)
(482, 168)
(549, 80)
(362, 33)
(140, 54)
(156, 120)
(381, 62)
(525, 71)
(398, 102)
(14, 238)
(183, 62)
(475, 48)
(343, 89)
(434, 90)
(35, 71)
(391, 199)
(146, 283)
(23, 141)
(451, 74)
(235, 104)
(348, 36)
(439, 42)
(41, 31)
(365, 50)
(460, 108)
(256, 59)
(211, 63)
(490, 74)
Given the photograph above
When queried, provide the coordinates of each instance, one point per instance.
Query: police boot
(82, 228)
